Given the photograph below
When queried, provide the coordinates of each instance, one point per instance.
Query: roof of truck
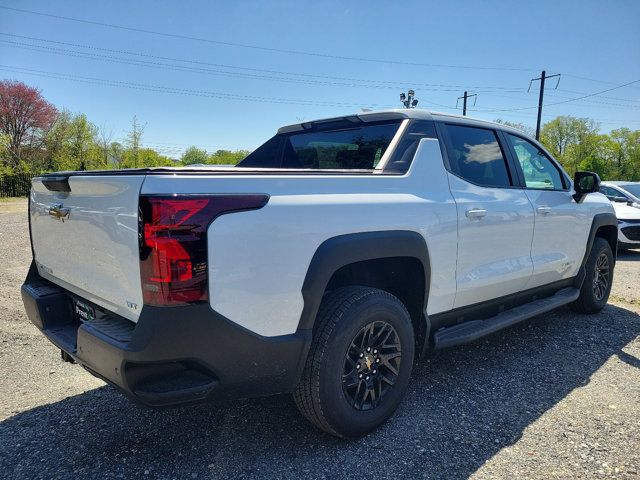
(394, 114)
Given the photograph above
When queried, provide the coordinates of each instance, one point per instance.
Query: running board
(473, 329)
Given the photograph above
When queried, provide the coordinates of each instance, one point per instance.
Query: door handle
(476, 213)
(543, 210)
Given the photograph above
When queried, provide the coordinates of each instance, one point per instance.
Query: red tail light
(173, 243)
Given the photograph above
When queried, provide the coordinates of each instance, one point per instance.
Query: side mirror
(584, 183)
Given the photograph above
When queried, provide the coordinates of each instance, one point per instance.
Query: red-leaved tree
(24, 117)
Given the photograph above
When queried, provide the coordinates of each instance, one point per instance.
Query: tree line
(578, 145)
(36, 137)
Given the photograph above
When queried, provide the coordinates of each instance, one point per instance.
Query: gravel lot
(556, 397)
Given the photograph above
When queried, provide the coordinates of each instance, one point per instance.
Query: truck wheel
(359, 363)
(599, 277)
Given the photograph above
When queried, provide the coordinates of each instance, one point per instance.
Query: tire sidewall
(600, 246)
(345, 419)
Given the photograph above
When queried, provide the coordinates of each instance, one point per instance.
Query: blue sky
(439, 49)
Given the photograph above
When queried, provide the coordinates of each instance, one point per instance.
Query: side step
(473, 329)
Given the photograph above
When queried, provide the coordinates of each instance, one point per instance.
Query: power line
(180, 68)
(561, 102)
(391, 84)
(166, 66)
(183, 91)
(617, 99)
(258, 47)
(607, 82)
(234, 97)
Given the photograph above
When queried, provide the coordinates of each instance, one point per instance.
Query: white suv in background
(625, 197)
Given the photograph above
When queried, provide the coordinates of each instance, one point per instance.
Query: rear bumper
(171, 356)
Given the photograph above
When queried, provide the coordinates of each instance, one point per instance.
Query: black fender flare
(599, 220)
(337, 252)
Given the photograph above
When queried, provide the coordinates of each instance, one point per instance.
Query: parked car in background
(625, 197)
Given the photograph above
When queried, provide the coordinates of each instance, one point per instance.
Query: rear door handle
(476, 213)
(543, 210)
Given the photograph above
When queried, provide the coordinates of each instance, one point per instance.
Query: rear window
(352, 147)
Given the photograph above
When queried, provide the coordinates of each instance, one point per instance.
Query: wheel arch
(375, 259)
(603, 225)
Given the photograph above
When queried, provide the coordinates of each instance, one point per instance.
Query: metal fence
(16, 185)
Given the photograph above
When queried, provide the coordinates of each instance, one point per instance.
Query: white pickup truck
(322, 265)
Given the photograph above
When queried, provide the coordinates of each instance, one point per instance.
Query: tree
(194, 155)
(134, 141)
(82, 139)
(518, 126)
(105, 137)
(569, 139)
(24, 116)
(55, 141)
(227, 157)
(116, 154)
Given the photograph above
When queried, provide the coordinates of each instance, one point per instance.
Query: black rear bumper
(171, 356)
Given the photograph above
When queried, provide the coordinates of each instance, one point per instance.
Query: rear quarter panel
(258, 260)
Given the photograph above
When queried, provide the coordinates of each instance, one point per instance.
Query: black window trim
(445, 145)
(564, 178)
(393, 148)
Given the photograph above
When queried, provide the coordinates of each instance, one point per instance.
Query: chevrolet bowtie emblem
(57, 211)
(368, 361)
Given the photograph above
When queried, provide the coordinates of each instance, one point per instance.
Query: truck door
(495, 216)
(560, 236)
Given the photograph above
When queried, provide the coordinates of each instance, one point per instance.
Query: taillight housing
(173, 243)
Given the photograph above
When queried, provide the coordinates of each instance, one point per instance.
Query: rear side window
(476, 156)
(356, 147)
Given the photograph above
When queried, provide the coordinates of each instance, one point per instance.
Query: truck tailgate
(86, 240)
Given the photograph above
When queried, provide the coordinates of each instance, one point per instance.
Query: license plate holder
(83, 311)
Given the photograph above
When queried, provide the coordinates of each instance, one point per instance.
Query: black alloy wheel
(371, 365)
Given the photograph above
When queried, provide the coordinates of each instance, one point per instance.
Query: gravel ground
(556, 397)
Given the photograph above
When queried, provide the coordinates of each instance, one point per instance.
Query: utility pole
(408, 100)
(542, 78)
(464, 103)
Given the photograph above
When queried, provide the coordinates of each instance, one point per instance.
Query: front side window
(475, 155)
(343, 146)
(539, 171)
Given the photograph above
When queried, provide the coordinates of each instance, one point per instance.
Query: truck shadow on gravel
(629, 255)
(463, 405)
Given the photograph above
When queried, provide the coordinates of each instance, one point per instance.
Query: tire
(349, 320)
(596, 287)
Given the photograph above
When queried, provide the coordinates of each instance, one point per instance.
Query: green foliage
(194, 155)
(227, 157)
(577, 145)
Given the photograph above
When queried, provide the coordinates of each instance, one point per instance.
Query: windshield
(344, 145)
(632, 188)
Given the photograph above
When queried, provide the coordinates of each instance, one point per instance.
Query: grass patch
(12, 199)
